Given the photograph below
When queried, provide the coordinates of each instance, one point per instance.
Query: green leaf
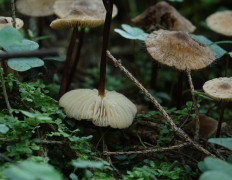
(215, 175)
(24, 64)
(25, 45)
(28, 170)
(218, 165)
(3, 129)
(225, 142)
(217, 49)
(87, 164)
(10, 36)
(55, 58)
(129, 32)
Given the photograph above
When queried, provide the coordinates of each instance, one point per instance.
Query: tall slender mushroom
(220, 89)
(82, 13)
(103, 108)
(179, 50)
(36, 8)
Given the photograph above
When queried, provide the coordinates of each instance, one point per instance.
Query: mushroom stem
(179, 89)
(13, 13)
(109, 8)
(227, 64)
(154, 73)
(223, 105)
(188, 72)
(40, 29)
(67, 62)
(5, 93)
(77, 56)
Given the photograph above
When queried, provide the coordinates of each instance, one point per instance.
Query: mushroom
(36, 8)
(7, 21)
(155, 17)
(113, 110)
(219, 89)
(208, 126)
(102, 107)
(74, 13)
(178, 49)
(221, 22)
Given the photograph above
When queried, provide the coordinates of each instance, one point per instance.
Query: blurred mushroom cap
(164, 14)
(84, 13)
(221, 22)
(178, 49)
(219, 89)
(114, 109)
(35, 8)
(208, 126)
(7, 21)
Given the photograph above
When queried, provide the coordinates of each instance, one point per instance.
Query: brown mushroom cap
(178, 49)
(7, 21)
(163, 13)
(35, 8)
(208, 126)
(114, 109)
(219, 89)
(84, 13)
(221, 22)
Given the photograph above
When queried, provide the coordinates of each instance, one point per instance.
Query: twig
(40, 141)
(2, 156)
(37, 53)
(196, 136)
(177, 130)
(5, 93)
(145, 151)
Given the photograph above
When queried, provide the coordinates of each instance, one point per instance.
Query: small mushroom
(114, 109)
(36, 8)
(7, 21)
(208, 126)
(221, 22)
(219, 89)
(178, 49)
(163, 14)
(74, 13)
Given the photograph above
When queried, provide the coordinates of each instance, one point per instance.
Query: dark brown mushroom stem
(40, 29)
(223, 105)
(67, 62)
(77, 56)
(109, 8)
(188, 72)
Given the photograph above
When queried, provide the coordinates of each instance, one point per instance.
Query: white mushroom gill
(114, 109)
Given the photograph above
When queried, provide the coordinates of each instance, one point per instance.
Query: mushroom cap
(221, 22)
(219, 89)
(208, 126)
(178, 49)
(7, 21)
(35, 8)
(114, 109)
(164, 13)
(84, 13)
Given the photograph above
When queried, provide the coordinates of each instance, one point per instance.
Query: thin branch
(5, 93)
(37, 53)
(177, 130)
(145, 151)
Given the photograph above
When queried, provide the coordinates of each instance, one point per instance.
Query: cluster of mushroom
(108, 108)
